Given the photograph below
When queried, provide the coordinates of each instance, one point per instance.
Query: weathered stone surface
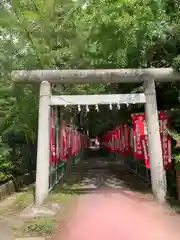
(40, 211)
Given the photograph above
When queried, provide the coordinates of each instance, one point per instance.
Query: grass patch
(23, 200)
(2, 212)
(37, 227)
(20, 202)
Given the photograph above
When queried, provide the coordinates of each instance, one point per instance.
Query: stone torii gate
(146, 76)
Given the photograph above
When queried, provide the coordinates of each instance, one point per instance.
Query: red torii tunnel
(146, 76)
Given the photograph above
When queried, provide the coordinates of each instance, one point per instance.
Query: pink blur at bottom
(113, 216)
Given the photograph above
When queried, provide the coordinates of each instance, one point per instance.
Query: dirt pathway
(99, 173)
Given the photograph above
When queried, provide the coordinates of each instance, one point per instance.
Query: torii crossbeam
(95, 76)
(101, 99)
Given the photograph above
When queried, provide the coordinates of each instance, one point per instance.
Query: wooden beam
(95, 76)
(101, 99)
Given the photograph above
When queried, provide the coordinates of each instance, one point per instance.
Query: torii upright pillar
(43, 148)
(158, 175)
